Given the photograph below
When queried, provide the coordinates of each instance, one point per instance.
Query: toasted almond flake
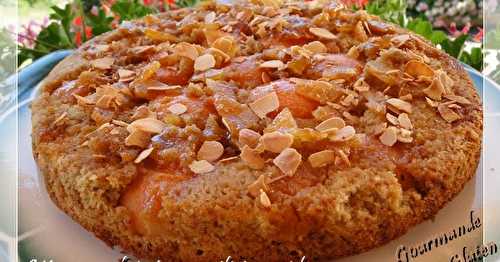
(248, 137)
(361, 86)
(201, 167)
(392, 119)
(210, 17)
(163, 87)
(210, 151)
(177, 109)
(455, 106)
(99, 156)
(459, 99)
(276, 141)
(60, 118)
(258, 185)
(272, 64)
(344, 134)
(265, 77)
(187, 50)
(322, 158)
(316, 47)
(331, 123)
(143, 155)
(407, 97)
(231, 158)
(138, 138)
(264, 199)
(390, 136)
(119, 123)
(321, 32)
(288, 161)
(103, 63)
(417, 69)
(104, 101)
(431, 102)
(435, 89)
(85, 100)
(400, 104)
(404, 136)
(344, 157)
(252, 158)
(404, 121)
(150, 125)
(264, 105)
(447, 113)
(400, 40)
(204, 62)
(126, 75)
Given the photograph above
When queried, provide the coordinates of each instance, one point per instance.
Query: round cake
(264, 130)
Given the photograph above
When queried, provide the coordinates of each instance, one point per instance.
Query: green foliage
(492, 40)
(424, 28)
(393, 11)
(100, 23)
(7, 54)
(186, 3)
(130, 9)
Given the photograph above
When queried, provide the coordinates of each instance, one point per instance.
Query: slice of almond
(177, 109)
(138, 138)
(404, 121)
(204, 62)
(459, 99)
(201, 167)
(392, 119)
(276, 141)
(264, 105)
(323, 33)
(149, 125)
(288, 161)
(103, 63)
(210, 151)
(447, 113)
(264, 199)
(316, 47)
(333, 123)
(400, 104)
(143, 155)
(390, 136)
(272, 64)
(126, 75)
(252, 158)
(344, 134)
(322, 158)
(435, 89)
(248, 137)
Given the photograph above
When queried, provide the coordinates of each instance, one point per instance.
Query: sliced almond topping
(276, 142)
(201, 167)
(163, 87)
(264, 199)
(258, 185)
(248, 137)
(400, 40)
(177, 109)
(272, 64)
(143, 155)
(252, 158)
(321, 32)
(344, 157)
(404, 136)
(316, 47)
(210, 17)
(288, 161)
(435, 89)
(149, 125)
(103, 63)
(459, 99)
(204, 62)
(390, 136)
(266, 104)
(85, 100)
(104, 101)
(322, 158)
(138, 138)
(392, 119)
(404, 121)
(361, 86)
(126, 75)
(447, 113)
(400, 104)
(210, 151)
(431, 102)
(187, 50)
(334, 123)
(119, 123)
(417, 69)
(344, 134)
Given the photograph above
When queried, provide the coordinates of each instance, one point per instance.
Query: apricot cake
(264, 130)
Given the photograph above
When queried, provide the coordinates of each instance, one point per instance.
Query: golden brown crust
(327, 212)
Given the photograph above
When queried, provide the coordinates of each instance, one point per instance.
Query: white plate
(47, 233)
